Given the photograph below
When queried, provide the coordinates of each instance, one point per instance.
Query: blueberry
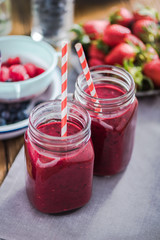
(14, 107)
(5, 114)
(21, 115)
(2, 122)
(24, 105)
(2, 106)
(13, 118)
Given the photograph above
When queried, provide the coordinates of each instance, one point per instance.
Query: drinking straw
(0, 60)
(64, 89)
(86, 71)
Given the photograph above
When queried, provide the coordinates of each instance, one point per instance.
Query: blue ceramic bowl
(39, 53)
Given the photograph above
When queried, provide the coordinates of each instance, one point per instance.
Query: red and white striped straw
(0, 60)
(85, 68)
(64, 90)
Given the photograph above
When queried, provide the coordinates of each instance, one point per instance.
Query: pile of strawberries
(129, 39)
(13, 70)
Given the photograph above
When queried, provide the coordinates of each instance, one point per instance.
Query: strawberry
(119, 53)
(146, 13)
(146, 30)
(130, 38)
(39, 71)
(95, 28)
(4, 74)
(31, 69)
(152, 70)
(18, 73)
(122, 16)
(95, 62)
(94, 52)
(13, 61)
(115, 34)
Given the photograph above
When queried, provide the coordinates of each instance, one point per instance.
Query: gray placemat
(123, 207)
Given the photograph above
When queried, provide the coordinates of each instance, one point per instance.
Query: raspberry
(13, 61)
(31, 69)
(18, 73)
(39, 71)
(4, 74)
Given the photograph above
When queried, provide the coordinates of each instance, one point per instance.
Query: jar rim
(121, 72)
(58, 140)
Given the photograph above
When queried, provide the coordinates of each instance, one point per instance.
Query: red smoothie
(58, 181)
(113, 134)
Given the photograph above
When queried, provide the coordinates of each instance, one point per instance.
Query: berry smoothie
(113, 133)
(58, 181)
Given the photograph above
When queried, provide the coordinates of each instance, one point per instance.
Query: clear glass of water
(52, 20)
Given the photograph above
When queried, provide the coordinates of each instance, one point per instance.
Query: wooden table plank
(3, 163)
(21, 17)
(13, 146)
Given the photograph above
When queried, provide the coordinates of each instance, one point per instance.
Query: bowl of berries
(26, 68)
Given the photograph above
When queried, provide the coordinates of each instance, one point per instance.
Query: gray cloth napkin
(123, 207)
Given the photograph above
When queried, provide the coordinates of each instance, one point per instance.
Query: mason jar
(59, 169)
(113, 116)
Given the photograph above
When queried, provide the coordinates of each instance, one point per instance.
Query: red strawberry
(146, 13)
(39, 71)
(130, 38)
(115, 34)
(18, 73)
(152, 70)
(94, 52)
(4, 74)
(146, 30)
(31, 69)
(95, 28)
(13, 61)
(122, 16)
(95, 62)
(119, 53)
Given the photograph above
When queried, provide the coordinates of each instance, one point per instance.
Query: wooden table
(21, 16)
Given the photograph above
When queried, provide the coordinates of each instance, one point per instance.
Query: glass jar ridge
(52, 112)
(111, 75)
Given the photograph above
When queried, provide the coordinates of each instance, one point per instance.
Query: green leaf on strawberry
(146, 55)
(114, 18)
(81, 36)
(135, 71)
(147, 84)
(156, 46)
(102, 46)
(78, 30)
